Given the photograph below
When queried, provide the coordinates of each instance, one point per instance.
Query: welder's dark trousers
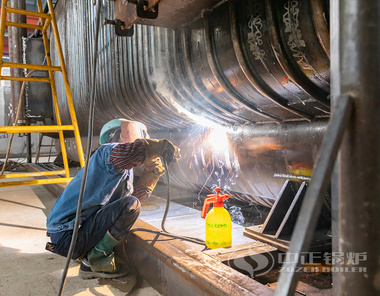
(117, 217)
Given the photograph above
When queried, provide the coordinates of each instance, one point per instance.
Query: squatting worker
(111, 204)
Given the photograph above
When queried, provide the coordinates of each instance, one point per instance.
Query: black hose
(168, 199)
(88, 152)
(185, 238)
(164, 232)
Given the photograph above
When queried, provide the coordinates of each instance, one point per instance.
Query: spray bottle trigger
(206, 205)
(213, 198)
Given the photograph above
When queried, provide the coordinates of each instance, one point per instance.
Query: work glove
(160, 148)
(152, 173)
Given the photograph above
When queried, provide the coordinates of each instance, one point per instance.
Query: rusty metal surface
(126, 11)
(173, 268)
(171, 13)
(240, 64)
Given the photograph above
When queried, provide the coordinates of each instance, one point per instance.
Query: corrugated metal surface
(245, 62)
(251, 161)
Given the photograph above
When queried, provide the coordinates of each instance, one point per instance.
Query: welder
(111, 203)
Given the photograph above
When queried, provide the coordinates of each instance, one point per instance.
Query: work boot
(100, 261)
(85, 272)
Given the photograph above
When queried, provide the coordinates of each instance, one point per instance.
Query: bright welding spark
(198, 119)
(218, 139)
(218, 135)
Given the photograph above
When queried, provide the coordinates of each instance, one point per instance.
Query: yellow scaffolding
(46, 19)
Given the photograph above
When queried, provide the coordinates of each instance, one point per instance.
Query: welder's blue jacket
(107, 180)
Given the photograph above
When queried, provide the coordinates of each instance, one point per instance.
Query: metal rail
(35, 129)
(16, 78)
(30, 66)
(35, 182)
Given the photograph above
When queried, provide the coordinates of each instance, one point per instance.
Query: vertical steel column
(356, 72)
(335, 92)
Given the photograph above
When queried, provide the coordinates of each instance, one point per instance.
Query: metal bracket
(119, 31)
(313, 200)
(150, 13)
(280, 222)
(123, 32)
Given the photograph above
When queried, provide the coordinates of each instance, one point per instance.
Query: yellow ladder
(46, 19)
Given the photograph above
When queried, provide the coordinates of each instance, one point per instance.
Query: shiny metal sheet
(258, 68)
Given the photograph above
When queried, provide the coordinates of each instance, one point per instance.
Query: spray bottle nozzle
(216, 199)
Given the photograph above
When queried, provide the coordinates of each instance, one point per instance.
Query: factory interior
(269, 115)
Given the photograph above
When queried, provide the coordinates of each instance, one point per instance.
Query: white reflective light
(218, 139)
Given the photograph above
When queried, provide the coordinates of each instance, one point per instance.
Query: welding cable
(88, 152)
(16, 121)
(164, 232)
(168, 199)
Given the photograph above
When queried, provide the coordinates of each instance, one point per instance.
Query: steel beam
(356, 44)
(174, 268)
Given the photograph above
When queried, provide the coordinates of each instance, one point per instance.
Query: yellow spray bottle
(218, 222)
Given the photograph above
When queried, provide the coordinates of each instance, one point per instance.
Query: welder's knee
(131, 205)
(129, 208)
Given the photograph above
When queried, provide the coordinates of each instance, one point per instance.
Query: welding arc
(88, 153)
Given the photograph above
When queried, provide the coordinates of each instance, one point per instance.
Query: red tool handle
(213, 198)
(206, 205)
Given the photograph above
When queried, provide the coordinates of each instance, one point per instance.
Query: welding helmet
(128, 130)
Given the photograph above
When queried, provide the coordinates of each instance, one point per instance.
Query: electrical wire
(205, 183)
(164, 232)
(85, 171)
(168, 199)
(88, 152)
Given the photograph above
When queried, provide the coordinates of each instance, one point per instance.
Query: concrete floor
(26, 268)
(183, 220)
